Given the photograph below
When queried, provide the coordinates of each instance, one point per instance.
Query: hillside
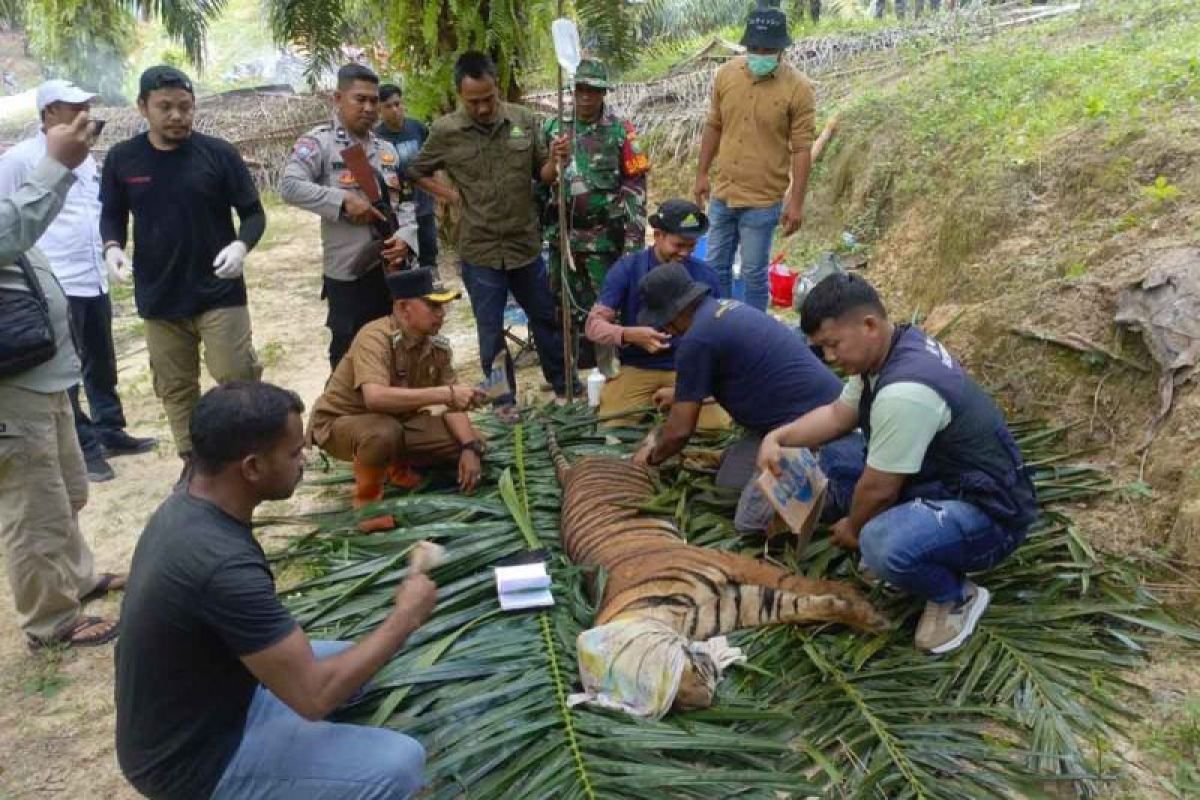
(1020, 183)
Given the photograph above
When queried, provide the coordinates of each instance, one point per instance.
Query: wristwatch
(475, 446)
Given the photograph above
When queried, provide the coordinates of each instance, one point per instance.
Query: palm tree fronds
(813, 712)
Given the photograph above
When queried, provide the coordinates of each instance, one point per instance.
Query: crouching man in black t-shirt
(218, 692)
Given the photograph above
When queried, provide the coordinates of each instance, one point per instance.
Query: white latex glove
(118, 265)
(229, 263)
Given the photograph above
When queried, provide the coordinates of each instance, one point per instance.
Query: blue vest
(974, 458)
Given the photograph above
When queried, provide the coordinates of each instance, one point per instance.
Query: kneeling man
(375, 410)
(647, 354)
(945, 491)
(219, 693)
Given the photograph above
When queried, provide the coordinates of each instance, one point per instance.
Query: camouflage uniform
(607, 203)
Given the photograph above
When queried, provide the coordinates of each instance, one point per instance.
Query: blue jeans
(926, 547)
(488, 289)
(753, 229)
(284, 756)
(923, 546)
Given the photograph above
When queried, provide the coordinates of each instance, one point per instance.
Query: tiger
(652, 572)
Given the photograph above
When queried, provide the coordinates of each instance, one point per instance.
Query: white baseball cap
(60, 91)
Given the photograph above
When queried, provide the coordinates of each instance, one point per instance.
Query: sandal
(73, 635)
(103, 587)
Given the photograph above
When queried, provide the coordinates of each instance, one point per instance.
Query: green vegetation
(1177, 742)
(968, 133)
(43, 675)
(1038, 695)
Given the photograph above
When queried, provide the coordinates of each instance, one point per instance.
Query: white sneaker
(945, 626)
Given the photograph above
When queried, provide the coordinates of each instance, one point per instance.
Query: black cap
(665, 291)
(766, 28)
(164, 77)
(409, 284)
(681, 217)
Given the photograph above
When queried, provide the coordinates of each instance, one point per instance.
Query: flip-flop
(101, 588)
(67, 637)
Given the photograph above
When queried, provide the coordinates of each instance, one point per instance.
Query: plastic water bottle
(595, 385)
(739, 283)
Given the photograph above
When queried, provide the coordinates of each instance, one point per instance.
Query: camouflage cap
(592, 73)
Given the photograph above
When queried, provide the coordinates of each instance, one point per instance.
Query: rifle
(375, 188)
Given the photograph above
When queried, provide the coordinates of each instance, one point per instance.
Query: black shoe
(98, 470)
(120, 443)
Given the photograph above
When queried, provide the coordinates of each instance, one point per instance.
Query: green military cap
(592, 73)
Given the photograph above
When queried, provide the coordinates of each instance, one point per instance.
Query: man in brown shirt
(492, 153)
(760, 120)
(376, 407)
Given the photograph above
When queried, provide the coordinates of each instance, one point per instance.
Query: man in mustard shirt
(760, 121)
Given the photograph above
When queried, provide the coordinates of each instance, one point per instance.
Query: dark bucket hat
(666, 291)
(767, 28)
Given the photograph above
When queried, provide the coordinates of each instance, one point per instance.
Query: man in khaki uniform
(43, 485)
(316, 179)
(376, 409)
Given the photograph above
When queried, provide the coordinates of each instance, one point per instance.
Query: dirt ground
(56, 710)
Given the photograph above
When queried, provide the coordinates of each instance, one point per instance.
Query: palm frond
(814, 712)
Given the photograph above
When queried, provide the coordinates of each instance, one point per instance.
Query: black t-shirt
(182, 202)
(200, 595)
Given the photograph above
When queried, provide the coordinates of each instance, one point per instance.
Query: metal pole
(565, 261)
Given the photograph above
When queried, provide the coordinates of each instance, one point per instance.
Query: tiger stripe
(652, 572)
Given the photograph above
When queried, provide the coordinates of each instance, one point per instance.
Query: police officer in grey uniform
(317, 179)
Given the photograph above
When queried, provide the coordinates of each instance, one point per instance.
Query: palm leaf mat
(1023, 707)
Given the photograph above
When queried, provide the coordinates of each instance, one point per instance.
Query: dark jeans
(488, 289)
(353, 304)
(427, 240)
(925, 547)
(91, 327)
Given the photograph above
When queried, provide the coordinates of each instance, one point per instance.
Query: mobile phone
(95, 126)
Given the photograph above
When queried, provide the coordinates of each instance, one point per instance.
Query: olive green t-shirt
(905, 417)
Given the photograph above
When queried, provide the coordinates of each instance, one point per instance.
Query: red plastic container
(780, 281)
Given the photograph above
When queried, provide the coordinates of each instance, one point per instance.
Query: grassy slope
(1026, 181)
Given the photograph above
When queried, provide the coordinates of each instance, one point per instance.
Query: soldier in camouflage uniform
(606, 207)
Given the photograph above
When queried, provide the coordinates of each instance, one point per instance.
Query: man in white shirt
(72, 244)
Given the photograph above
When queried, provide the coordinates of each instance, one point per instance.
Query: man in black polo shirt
(219, 694)
(180, 185)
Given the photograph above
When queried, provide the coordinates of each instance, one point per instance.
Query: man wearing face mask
(761, 122)
(647, 355)
(180, 187)
(317, 179)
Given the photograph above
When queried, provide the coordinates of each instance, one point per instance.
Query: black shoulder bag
(26, 336)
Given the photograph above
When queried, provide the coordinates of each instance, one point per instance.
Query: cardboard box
(798, 494)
